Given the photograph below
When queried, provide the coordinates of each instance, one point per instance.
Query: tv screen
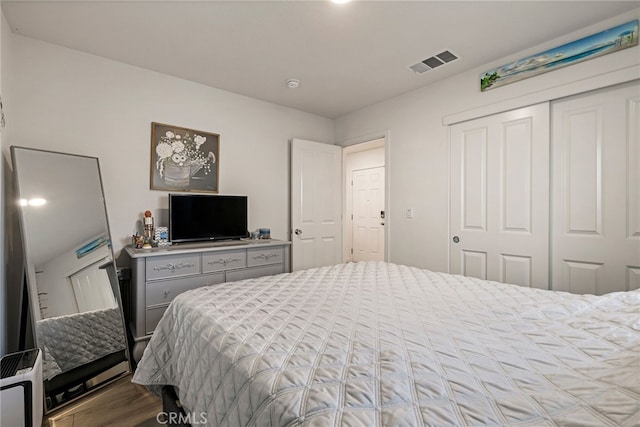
(204, 217)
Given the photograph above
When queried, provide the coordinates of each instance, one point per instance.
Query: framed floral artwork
(184, 159)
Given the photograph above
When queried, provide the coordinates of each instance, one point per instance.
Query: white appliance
(21, 401)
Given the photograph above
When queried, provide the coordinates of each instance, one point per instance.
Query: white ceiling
(346, 56)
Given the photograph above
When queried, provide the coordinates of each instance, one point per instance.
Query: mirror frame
(95, 375)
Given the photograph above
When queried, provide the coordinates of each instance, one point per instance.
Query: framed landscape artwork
(599, 44)
(184, 159)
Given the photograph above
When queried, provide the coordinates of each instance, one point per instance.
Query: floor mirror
(72, 281)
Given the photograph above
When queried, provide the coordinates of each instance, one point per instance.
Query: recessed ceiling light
(36, 201)
(340, 1)
(293, 83)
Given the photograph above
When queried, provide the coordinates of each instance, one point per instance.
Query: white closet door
(92, 288)
(499, 218)
(596, 191)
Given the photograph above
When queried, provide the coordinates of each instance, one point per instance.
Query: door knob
(298, 231)
(456, 239)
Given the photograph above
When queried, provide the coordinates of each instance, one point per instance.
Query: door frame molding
(363, 143)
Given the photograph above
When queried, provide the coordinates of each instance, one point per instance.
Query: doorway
(365, 201)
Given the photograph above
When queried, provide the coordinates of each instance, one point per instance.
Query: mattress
(379, 344)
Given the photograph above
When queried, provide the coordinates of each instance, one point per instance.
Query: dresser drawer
(165, 267)
(164, 291)
(152, 317)
(219, 261)
(250, 273)
(265, 256)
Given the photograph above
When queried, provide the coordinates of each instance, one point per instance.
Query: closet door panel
(583, 171)
(474, 181)
(633, 278)
(474, 264)
(499, 223)
(595, 241)
(516, 269)
(516, 176)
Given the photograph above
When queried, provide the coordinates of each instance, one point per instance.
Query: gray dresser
(158, 275)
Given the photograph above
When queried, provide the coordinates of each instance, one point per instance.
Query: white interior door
(499, 214)
(316, 204)
(368, 214)
(92, 289)
(596, 191)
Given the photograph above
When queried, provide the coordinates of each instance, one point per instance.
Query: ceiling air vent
(433, 61)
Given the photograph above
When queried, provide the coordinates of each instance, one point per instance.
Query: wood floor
(121, 404)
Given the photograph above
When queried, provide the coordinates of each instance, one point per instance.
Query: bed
(76, 348)
(379, 344)
(75, 340)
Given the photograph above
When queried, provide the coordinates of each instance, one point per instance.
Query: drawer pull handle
(174, 267)
(166, 293)
(224, 261)
(266, 256)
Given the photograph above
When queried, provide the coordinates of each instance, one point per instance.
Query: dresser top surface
(185, 248)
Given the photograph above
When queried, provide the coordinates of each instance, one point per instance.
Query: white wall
(69, 101)
(418, 136)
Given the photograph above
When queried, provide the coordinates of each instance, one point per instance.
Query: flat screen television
(196, 217)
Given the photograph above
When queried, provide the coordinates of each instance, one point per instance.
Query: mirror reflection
(73, 290)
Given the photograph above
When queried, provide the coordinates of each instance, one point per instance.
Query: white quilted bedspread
(377, 344)
(76, 339)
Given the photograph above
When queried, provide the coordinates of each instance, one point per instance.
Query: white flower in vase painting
(179, 157)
